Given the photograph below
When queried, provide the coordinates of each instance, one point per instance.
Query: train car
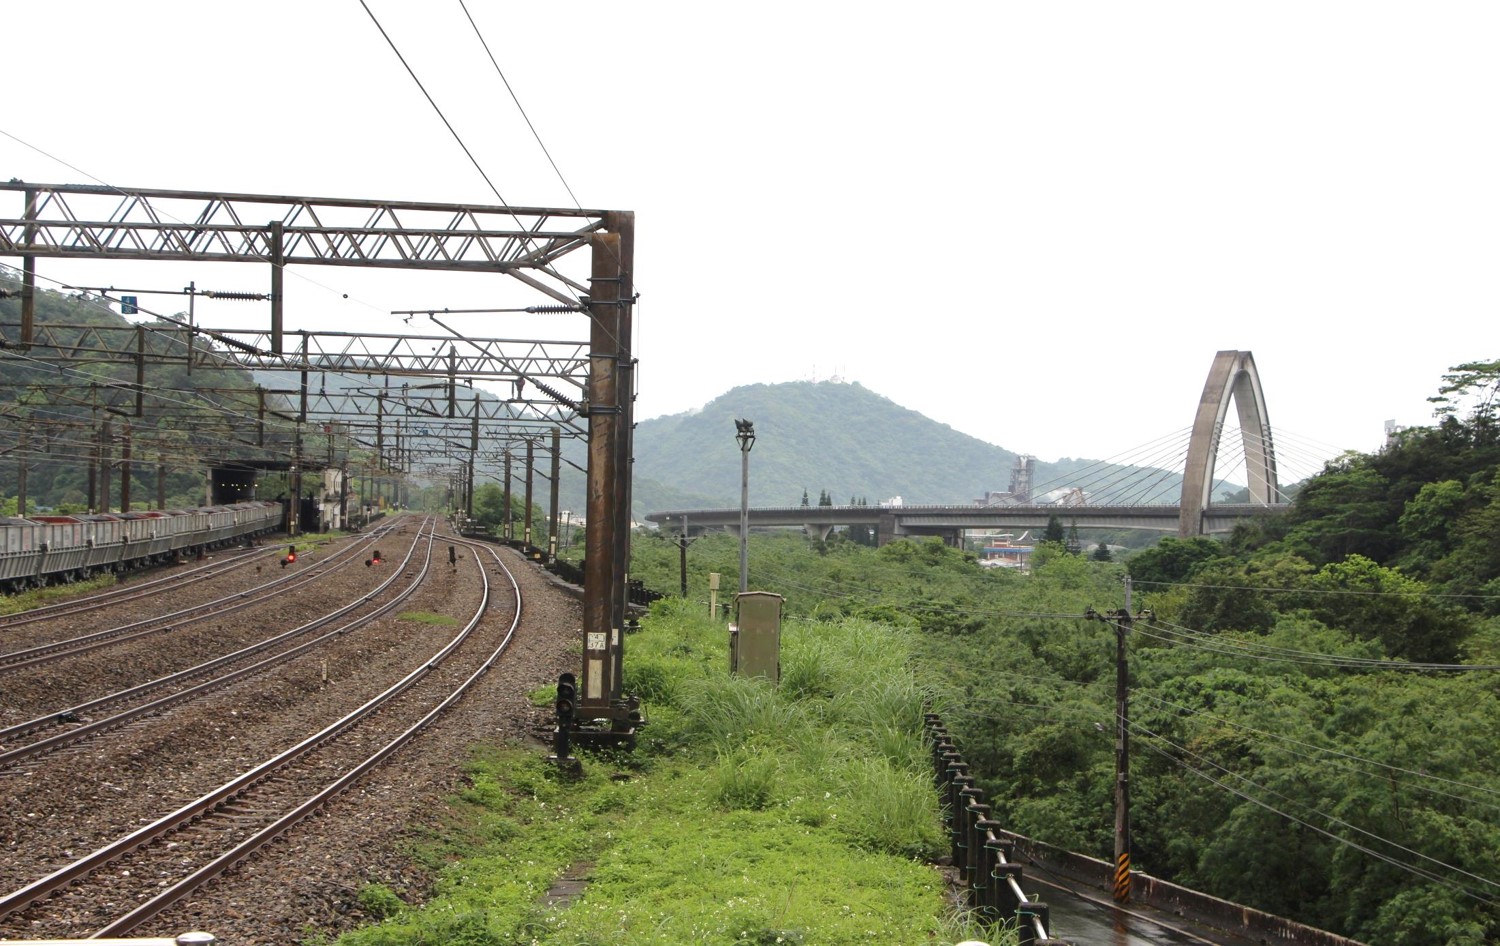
(56, 549)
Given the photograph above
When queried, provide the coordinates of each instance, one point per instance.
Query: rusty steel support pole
(278, 264)
(530, 466)
(28, 275)
(602, 581)
(506, 531)
(104, 451)
(473, 456)
(294, 511)
(140, 371)
(622, 225)
(125, 469)
(93, 465)
(552, 508)
(468, 490)
(21, 472)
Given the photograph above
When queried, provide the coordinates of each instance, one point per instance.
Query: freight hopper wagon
(60, 549)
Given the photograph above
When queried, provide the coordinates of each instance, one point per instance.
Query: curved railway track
(84, 673)
(79, 712)
(178, 852)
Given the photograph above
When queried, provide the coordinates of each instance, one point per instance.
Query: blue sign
(127, 305)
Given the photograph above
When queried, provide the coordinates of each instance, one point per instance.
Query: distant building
(1000, 551)
(1020, 486)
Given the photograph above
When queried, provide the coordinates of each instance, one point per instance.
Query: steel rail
(260, 839)
(73, 712)
(114, 596)
(207, 803)
(57, 650)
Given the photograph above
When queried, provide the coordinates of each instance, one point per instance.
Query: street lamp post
(745, 434)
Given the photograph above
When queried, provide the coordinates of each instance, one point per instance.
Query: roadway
(1091, 919)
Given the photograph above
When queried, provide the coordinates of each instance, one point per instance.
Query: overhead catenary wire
(535, 134)
(459, 139)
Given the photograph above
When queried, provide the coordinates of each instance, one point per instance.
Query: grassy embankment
(749, 813)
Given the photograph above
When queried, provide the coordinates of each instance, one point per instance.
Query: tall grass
(751, 813)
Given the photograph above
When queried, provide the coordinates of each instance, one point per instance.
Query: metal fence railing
(984, 861)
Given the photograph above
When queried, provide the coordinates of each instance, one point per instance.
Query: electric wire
(1218, 644)
(1311, 591)
(1340, 754)
(519, 107)
(529, 241)
(1330, 819)
(781, 579)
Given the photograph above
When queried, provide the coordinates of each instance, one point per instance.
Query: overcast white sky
(1034, 222)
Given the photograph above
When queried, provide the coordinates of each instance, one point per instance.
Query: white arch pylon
(1233, 375)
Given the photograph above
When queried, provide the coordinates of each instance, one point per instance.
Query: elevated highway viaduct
(950, 522)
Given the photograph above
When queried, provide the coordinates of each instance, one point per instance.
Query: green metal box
(755, 636)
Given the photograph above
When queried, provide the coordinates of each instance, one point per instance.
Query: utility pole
(683, 541)
(745, 434)
(1122, 621)
(1122, 753)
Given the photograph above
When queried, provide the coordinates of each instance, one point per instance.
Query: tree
(1479, 380)
(804, 497)
(1371, 602)
(1171, 561)
(1075, 544)
(1102, 553)
(1054, 531)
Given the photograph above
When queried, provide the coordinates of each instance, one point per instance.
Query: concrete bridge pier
(817, 530)
(891, 527)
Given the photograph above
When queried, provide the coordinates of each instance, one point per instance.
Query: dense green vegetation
(67, 409)
(751, 814)
(1315, 702)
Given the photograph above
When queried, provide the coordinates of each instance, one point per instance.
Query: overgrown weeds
(762, 814)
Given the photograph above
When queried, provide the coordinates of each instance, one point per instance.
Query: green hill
(827, 435)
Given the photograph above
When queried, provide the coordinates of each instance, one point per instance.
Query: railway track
(40, 654)
(77, 714)
(177, 852)
(136, 590)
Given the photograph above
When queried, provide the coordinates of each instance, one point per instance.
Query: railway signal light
(567, 699)
(291, 556)
(374, 560)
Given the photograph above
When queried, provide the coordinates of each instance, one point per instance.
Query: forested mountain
(64, 412)
(817, 436)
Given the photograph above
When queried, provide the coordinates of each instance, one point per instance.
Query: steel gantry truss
(578, 388)
(99, 222)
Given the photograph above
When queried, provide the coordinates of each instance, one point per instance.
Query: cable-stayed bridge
(1168, 485)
